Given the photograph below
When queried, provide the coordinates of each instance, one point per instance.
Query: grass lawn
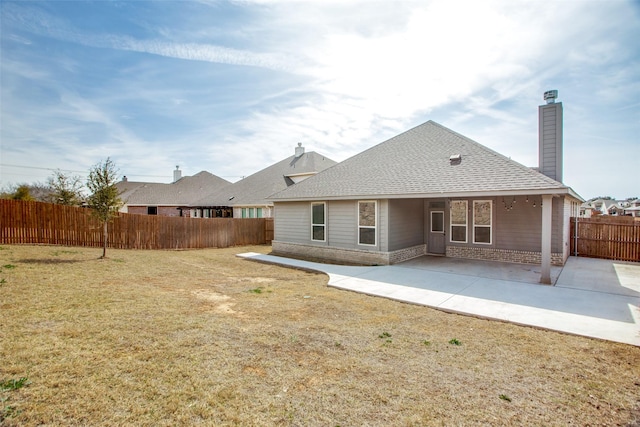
(201, 337)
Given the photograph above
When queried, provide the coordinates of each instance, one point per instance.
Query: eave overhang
(563, 191)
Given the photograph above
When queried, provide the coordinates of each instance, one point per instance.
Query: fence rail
(45, 223)
(615, 238)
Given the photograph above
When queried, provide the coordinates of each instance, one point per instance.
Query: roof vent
(455, 159)
(550, 96)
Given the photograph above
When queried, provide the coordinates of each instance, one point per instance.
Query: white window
(318, 221)
(367, 223)
(258, 212)
(458, 217)
(482, 222)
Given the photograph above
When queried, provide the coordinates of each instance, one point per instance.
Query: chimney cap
(550, 96)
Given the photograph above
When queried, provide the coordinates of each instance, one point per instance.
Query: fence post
(575, 236)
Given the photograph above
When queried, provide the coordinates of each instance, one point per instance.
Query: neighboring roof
(182, 192)
(254, 189)
(417, 163)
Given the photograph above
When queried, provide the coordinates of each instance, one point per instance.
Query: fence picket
(615, 238)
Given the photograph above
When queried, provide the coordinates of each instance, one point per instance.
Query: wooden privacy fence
(45, 223)
(608, 237)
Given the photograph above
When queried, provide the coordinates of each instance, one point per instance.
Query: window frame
(323, 224)
(489, 226)
(453, 224)
(369, 227)
(152, 210)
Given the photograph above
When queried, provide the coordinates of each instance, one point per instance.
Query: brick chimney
(550, 136)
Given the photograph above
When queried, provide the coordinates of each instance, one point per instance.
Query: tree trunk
(104, 240)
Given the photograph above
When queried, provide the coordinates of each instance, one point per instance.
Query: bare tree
(65, 189)
(104, 199)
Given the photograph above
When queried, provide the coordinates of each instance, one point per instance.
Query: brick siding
(354, 256)
(522, 257)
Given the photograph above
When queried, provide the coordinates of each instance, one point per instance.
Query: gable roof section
(182, 192)
(416, 164)
(254, 189)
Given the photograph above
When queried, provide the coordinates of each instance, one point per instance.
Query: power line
(35, 167)
(68, 170)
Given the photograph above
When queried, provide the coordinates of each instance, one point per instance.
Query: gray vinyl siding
(557, 229)
(550, 144)
(292, 222)
(518, 228)
(342, 224)
(406, 219)
(566, 227)
(384, 232)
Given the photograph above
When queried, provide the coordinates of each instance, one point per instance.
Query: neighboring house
(247, 197)
(587, 210)
(431, 190)
(603, 207)
(611, 207)
(173, 199)
(633, 209)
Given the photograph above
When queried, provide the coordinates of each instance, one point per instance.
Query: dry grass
(203, 337)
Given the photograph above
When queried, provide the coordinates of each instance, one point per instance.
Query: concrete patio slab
(592, 297)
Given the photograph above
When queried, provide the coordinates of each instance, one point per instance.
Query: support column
(547, 203)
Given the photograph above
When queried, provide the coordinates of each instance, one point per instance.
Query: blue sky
(232, 87)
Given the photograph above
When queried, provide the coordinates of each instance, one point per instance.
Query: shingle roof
(182, 192)
(254, 189)
(417, 163)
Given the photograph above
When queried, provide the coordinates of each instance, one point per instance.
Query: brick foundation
(489, 254)
(354, 256)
